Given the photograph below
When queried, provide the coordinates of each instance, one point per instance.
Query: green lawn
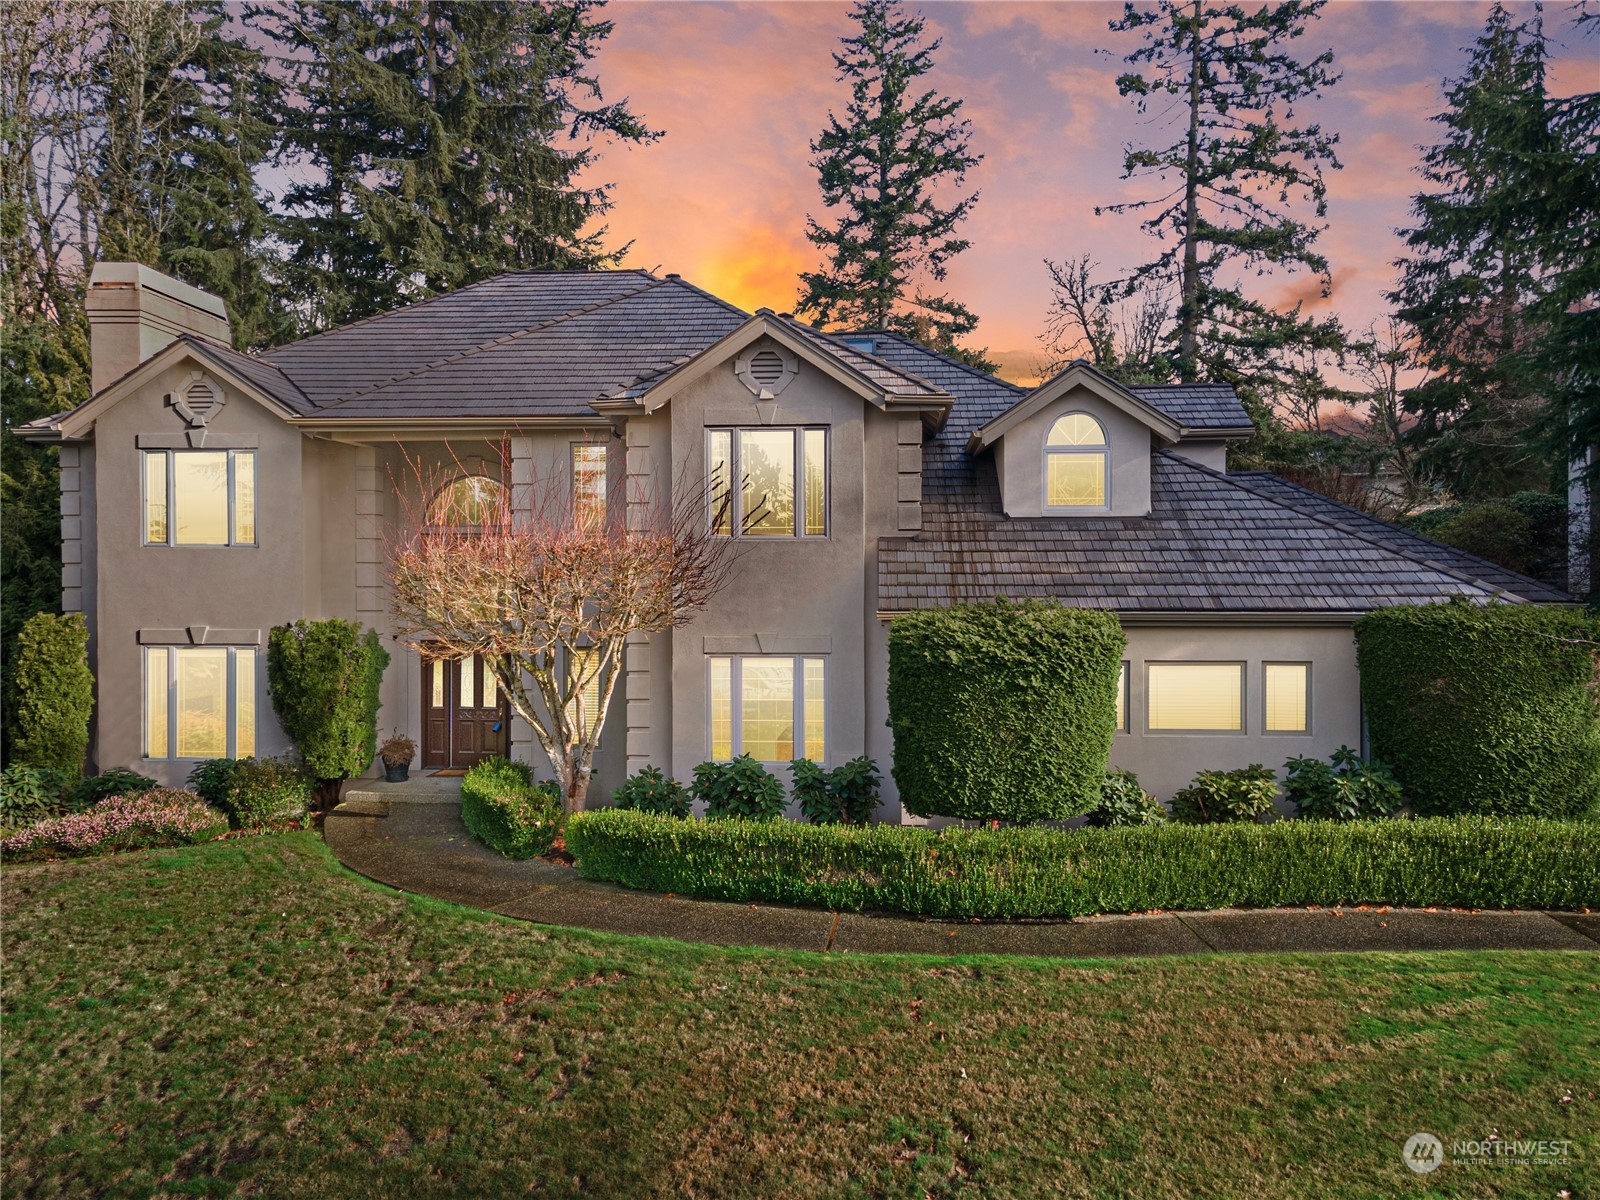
(248, 1016)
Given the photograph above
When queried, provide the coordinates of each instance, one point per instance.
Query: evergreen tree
(1241, 166)
(883, 164)
(444, 142)
(1473, 283)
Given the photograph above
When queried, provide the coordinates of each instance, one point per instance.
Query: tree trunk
(1189, 308)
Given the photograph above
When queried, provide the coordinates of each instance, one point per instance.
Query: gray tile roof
(1212, 543)
(358, 357)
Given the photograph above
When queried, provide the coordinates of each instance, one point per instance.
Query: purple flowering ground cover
(245, 1017)
(161, 817)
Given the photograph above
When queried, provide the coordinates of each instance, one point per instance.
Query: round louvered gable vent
(201, 398)
(766, 368)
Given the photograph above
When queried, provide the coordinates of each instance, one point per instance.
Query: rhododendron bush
(162, 817)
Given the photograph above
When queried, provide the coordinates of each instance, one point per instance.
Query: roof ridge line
(700, 291)
(426, 300)
(814, 332)
(1442, 568)
(504, 339)
(191, 339)
(954, 362)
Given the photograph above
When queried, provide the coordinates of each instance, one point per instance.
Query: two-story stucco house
(208, 495)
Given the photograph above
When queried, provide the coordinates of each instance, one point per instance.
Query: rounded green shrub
(846, 795)
(52, 693)
(652, 790)
(1124, 803)
(266, 791)
(212, 780)
(1345, 788)
(1003, 711)
(1220, 797)
(504, 809)
(1487, 709)
(740, 788)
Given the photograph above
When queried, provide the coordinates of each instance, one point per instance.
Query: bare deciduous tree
(1122, 336)
(547, 596)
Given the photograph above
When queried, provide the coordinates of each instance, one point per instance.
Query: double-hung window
(199, 497)
(771, 707)
(768, 482)
(199, 701)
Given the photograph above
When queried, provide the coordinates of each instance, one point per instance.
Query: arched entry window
(467, 500)
(1076, 464)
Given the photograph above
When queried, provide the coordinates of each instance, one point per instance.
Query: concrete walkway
(412, 838)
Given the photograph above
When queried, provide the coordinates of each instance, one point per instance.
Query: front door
(465, 718)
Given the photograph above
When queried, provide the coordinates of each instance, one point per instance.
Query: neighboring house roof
(1212, 543)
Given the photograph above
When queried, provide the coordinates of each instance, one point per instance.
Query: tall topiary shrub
(1003, 711)
(324, 678)
(1485, 709)
(53, 690)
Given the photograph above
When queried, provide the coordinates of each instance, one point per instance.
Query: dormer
(1078, 445)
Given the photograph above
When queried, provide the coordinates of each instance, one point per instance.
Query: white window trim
(1310, 717)
(736, 715)
(1244, 696)
(172, 508)
(735, 505)
(1050, 451)
(172, 701)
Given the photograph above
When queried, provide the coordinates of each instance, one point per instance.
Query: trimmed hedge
(504, 809)
(1003, 711)
(324, 678)
(1473, 862)
(1485, 709)
(52, 693)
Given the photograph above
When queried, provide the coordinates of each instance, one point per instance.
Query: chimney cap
(120, 276)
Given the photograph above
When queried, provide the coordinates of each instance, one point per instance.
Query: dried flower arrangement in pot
(397, 753)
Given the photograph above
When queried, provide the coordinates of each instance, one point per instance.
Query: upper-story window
(589, 486)
(1076, 463)
(469, 500)
(199, 497)
(768, 482)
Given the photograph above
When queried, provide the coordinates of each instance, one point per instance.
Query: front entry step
(419, 789)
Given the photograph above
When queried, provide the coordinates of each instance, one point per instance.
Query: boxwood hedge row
(1041, 872)
(1003, 711)
(1485, 709)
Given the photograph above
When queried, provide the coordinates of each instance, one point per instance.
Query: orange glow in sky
(741, 89)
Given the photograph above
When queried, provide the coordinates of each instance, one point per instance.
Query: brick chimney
(135, 311)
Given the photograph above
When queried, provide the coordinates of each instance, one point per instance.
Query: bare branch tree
(1120, 334)
(547, 595)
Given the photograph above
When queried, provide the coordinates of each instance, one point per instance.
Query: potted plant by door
(397, 754)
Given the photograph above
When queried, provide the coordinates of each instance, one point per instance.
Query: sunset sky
(740, 89)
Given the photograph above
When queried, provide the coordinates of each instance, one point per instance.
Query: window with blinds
(1195, 697)
(1286, 697)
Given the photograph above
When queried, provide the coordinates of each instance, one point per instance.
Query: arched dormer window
(1076, 465)
(471, 500)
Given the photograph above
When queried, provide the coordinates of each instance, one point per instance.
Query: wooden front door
(464, 716)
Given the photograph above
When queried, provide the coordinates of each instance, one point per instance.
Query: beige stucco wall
(156, 587)
(1166, 762)
(1019, 458)
(1211, 454)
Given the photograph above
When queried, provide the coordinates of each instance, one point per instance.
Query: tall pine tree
(441, 142)
(1239, 171)
(1474, 278)
(885, 164)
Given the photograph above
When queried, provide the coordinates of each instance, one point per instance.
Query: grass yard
(247, 1017)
